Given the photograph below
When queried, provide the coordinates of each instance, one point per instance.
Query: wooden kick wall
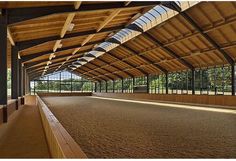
(217, 100)
(60, 143)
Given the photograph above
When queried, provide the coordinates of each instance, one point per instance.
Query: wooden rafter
(31, 43)
(108, 19)
(23, 14)
(65, 27)
(101, 26)
(126, 3)
(9, 36)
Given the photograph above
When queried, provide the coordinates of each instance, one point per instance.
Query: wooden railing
(60, 143)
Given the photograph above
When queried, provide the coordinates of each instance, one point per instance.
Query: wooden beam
(128, 63)
(104, 61)
(97, 66)
(108, 19)
(144, 58)
(105, 22)
(87, 39)
(126, 3)
(77, 4)
(168, 50)
(30, 43)
(99, 73)
(43, 53)
(55, 47)
(23, 14)
(90, 75)
(9, 36)
(67, 23)
(45, 60)
(207, 37)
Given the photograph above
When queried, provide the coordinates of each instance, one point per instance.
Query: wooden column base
(22, 99)
(4, 113)
(17, 106)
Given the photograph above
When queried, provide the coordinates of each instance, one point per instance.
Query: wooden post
(147, 83)
(20, 82)
(193, 82)
(3, 63)
(14, 75)
(233, 79)
(24, 80)
(60, 82)
(95, 90)
(100, 86)
(133, 81)
(166, 83)
(34, 87)
(106, 86)
(122, 85)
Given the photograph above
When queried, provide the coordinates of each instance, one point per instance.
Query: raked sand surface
(116, 129)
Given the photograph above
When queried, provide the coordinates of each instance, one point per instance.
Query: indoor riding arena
(117, 79)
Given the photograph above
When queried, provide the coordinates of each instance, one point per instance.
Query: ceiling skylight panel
(111, 46)
(88, 58)
(118, 37)
(152, 19)
(96, 53)
(77, 64)
(82, 62)
(140, 23)
(123, 36)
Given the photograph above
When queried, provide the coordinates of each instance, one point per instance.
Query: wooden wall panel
(192, 99)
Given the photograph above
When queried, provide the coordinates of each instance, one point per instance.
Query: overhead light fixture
(71, 27)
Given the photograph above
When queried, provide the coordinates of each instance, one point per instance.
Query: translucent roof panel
(88, 58)
(150, 19)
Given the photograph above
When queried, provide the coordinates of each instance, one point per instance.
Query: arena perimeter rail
(60, 143)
